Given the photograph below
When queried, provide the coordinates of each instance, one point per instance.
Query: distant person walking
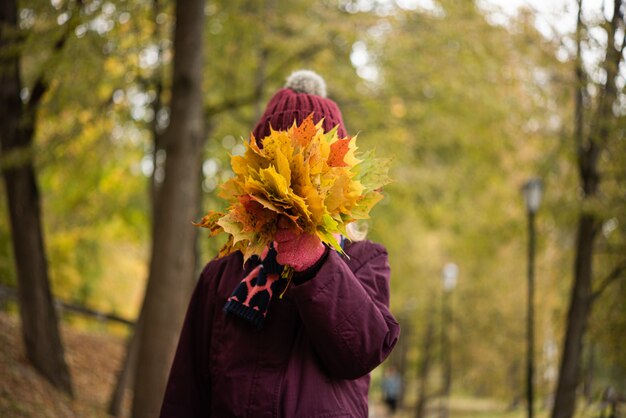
(392, 387)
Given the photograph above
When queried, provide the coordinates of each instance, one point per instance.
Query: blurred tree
(173, 259)
(90, 124)
(425, 393)
(454, 99)
(39, 320)
(154, 85)
(596, 127)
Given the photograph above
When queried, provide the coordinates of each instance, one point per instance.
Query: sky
(552, 15)
(554, 19)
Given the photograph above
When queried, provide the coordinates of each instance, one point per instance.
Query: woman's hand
(299, 251)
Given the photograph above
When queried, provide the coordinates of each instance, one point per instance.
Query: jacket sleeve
(346, 313)
(187, 393)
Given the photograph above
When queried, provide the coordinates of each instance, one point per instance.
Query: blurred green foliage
(467, 109)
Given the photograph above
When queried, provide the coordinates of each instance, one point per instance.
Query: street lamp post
(450, 274)
(532, 196)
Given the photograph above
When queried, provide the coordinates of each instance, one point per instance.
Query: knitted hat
(303, 94)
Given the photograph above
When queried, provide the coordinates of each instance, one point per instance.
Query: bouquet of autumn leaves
(312, 177)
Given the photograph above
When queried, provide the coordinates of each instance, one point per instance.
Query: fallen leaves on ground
(93, 357)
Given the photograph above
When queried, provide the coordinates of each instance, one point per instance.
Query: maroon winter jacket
(312, 357)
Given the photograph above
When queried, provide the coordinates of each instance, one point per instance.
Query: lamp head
(450, 274)
(533, 190)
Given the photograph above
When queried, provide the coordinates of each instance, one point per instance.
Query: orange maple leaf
(302, 134)
(338, 151)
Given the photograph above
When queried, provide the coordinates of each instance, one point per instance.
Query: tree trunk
(579, 310)
(588, 151)
(173, 258)
(399, 356)
(127, 372)
(40, 330)
(589, 375)
(424, 369)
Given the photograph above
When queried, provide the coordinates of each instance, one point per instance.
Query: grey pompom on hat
(306, 81)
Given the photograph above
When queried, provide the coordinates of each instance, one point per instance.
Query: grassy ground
(484, 408)
(459, 408)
